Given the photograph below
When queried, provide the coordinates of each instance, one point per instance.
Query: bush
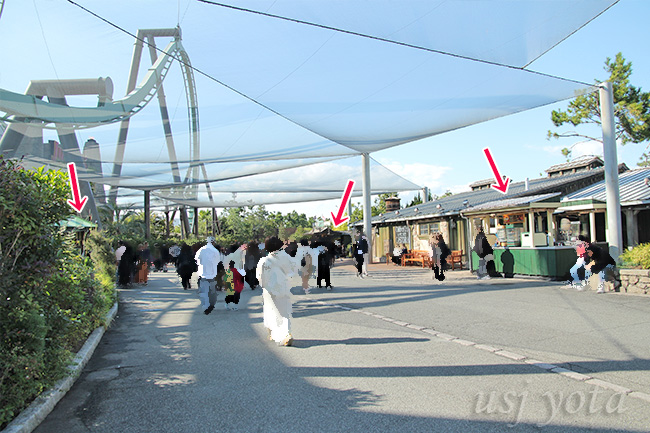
(102, 257)
(638, 256)
(49, 297)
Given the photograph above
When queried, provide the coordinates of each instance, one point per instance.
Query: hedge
(50, 297)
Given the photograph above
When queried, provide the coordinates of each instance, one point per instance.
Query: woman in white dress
(305, 255)
(274, 272)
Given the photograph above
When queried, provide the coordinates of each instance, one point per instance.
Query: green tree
(446, 194)
(380, 203)
(631, 109)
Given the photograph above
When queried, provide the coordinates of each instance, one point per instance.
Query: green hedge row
(50, 297)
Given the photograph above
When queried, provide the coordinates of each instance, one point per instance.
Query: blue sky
(518, 142)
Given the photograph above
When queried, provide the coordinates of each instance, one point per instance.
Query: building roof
(575, 163)
(632, 188)
(514, 202)
(454, 204)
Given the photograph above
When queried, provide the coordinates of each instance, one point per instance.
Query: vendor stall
(522, 231)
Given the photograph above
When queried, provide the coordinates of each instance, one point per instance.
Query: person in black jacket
(253, 255)
(186, 265)
(484, 252)
(324, 261)
(360, 248)
(126, 266)
(440, 252)
(601, 263)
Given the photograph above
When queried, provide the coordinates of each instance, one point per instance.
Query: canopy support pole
(367, 215)
(196, 222)
(214, 222)
(350, 213)
(147, 216)
(614, 226)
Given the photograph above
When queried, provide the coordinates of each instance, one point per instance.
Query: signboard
(402, 235)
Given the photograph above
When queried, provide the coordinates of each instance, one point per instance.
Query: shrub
(102, 257)
(49, 297)
(638, 256)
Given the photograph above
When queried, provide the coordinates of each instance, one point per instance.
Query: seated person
(397, 256)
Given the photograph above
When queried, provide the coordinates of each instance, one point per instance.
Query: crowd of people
(133, 265)
(268, 265)
(271, 265)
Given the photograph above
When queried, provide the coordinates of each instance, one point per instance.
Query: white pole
(614, 230)
(367, 215)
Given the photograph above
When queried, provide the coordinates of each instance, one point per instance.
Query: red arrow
(340, 219)
(78, 204)
(502, 186)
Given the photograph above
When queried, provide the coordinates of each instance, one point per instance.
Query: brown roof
(575, 163)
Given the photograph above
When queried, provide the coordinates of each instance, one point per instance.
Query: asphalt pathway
(394, 352)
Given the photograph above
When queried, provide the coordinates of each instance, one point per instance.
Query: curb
(35, 413)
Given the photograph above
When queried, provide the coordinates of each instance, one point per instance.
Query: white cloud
(589, 147)
(429, 175)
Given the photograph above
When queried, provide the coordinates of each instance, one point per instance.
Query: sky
(448, 161)
(518, 143)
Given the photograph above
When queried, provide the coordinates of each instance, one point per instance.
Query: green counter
(553, 262)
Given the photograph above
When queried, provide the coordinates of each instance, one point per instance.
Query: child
(234, 284)
(581, 252)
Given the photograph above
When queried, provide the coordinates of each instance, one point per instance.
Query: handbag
(489, 257)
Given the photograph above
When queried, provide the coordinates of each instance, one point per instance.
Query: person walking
(304, 253)
(484, 252)
(126, 266)
(233, 285)
(208, 258)
(366, 255)
(440, 252)
(324, 261)
(142, 267)
(121, 247)
(274, 272)
(251, 258)
(360, 249)
(186, 265)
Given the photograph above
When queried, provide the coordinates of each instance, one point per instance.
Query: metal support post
(196, 222)
(614, 229)
(147, 214)
(367, 214)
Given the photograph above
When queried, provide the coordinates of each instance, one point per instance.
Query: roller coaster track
(30, 108)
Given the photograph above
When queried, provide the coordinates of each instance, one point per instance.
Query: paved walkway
(395, 352)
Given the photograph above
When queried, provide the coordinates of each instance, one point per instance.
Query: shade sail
(322, 181)
(266, 94)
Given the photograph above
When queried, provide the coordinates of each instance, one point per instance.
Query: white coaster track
(29, 112)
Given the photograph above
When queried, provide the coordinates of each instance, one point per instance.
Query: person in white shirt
(274, 273)
(307, 256)
(119, 251)
(207, 258)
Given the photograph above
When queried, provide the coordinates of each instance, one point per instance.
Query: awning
(77, 223)
(541, 201)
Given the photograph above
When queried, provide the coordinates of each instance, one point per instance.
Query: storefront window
(430, 228)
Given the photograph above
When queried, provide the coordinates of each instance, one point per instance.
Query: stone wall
(635, 281)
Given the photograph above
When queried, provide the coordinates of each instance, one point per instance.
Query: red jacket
(238, 280)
